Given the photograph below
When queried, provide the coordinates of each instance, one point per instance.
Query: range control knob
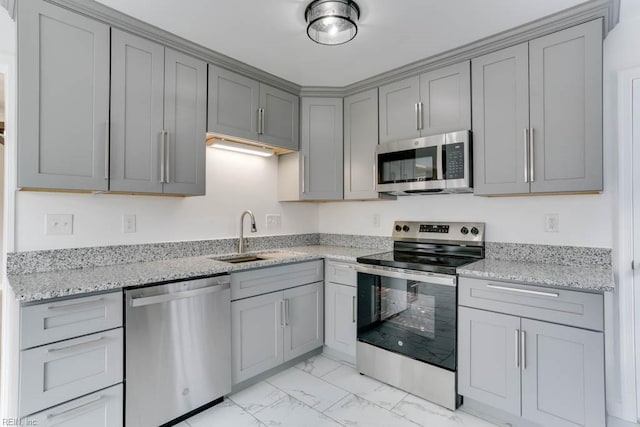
(474, 231)
(405, 228)
(398, 228)
(464, 230)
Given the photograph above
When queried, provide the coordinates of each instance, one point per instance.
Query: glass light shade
(332, 22)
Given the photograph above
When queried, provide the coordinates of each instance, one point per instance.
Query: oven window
(413, 318)
(408, 165)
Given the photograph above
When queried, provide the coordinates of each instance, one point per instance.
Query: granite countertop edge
(597, 279)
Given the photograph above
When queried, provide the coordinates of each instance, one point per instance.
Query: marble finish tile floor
(322, 392)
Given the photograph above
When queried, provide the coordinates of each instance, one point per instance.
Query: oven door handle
(399, 273)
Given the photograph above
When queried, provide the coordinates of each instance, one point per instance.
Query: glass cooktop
(421, 262)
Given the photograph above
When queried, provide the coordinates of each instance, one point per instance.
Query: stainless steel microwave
(431, 164)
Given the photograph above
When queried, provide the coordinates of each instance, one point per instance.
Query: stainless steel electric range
(407, 307)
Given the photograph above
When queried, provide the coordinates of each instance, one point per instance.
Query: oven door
(408, 312)
(411, 165)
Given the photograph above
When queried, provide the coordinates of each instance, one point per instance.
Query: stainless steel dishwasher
(178, 349)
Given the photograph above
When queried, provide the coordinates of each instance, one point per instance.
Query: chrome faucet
(253, 229)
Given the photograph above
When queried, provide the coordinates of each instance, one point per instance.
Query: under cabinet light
(242, 148)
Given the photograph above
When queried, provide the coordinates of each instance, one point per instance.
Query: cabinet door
(340, 318)
(398, 112)
(233, 104)
(281, 118)
(256, 335)
(100, 409)
(500, 119)
(63, 87)
(360, 142)
(566, 109)
(304, 319)
(563, 377)
(488, 365)
(137, 96)
(321, 149)
(446, 97)
(185, 115)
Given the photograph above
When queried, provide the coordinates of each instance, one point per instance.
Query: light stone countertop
(585, 278)
(56, 284)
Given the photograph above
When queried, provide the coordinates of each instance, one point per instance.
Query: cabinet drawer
(342, 273)
(59, 372)
(100, 409)
(575, 308)
(59, 320)
(270, 279)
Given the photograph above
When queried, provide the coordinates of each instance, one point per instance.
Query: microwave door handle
(439, 162)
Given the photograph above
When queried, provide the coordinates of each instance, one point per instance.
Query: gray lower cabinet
(63, 92)
(341, 320)
(100, 409)
(360, 142)
(304, 319)
(245, 108)
(316, 172)
(548, 373)
(537, 115)
(435, 102)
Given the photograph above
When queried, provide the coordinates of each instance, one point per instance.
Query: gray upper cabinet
(446, 99)
(565, 71)
(500, 117)
(137, 116)
(244, 108)
(398, 110)
(360, 142)
(435, 102)
(321, 149)
(563, 375)
(537, 115)
(185, 123)
(63, 92)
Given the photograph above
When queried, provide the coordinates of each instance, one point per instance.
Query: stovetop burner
(435, 247)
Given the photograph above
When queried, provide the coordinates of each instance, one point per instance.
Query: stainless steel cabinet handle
(76, 346)
(342, 265)
(99, 301)
(258, 118)
(517, 349)
(353, 307)
(304, 182)
(286, 312)
(82, 406)
(261, 121)
(162, 155)
(167, 157)
(417, 116)
(420, 117)
(107, 137)
(525, 291)
(526, 155)
(157, 299)
(282, 314)
(523, 350)
(531, 156)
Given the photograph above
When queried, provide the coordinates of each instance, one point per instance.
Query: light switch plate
(552, 223)
(128, 223)
(58, 224)
(274, 222)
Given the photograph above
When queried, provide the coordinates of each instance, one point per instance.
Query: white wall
(235, 182)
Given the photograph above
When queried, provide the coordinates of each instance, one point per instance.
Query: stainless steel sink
(242, 258)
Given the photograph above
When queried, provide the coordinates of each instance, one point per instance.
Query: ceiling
(271, 34)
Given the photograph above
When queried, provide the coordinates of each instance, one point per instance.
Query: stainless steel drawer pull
(341, 265)
(525, 291)
(77, 408)
(76, 346)
(99, 301)
(158, 299)
(523, 350)
(517, 348)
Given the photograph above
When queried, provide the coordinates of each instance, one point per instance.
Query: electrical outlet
(376, 220)
(59, 224)
(274, 222)
(128, 223)
(552, 223)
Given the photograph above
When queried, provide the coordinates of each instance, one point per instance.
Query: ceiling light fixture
(241, 148)
(332, 22)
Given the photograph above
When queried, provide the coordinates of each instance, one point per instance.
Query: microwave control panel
(454, 161)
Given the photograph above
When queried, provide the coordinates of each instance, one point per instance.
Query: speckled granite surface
(369, 242)
(596, 278)
(70, 259)
(547, 254)
(56, 284)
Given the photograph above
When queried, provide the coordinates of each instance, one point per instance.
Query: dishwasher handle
(158, 299)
